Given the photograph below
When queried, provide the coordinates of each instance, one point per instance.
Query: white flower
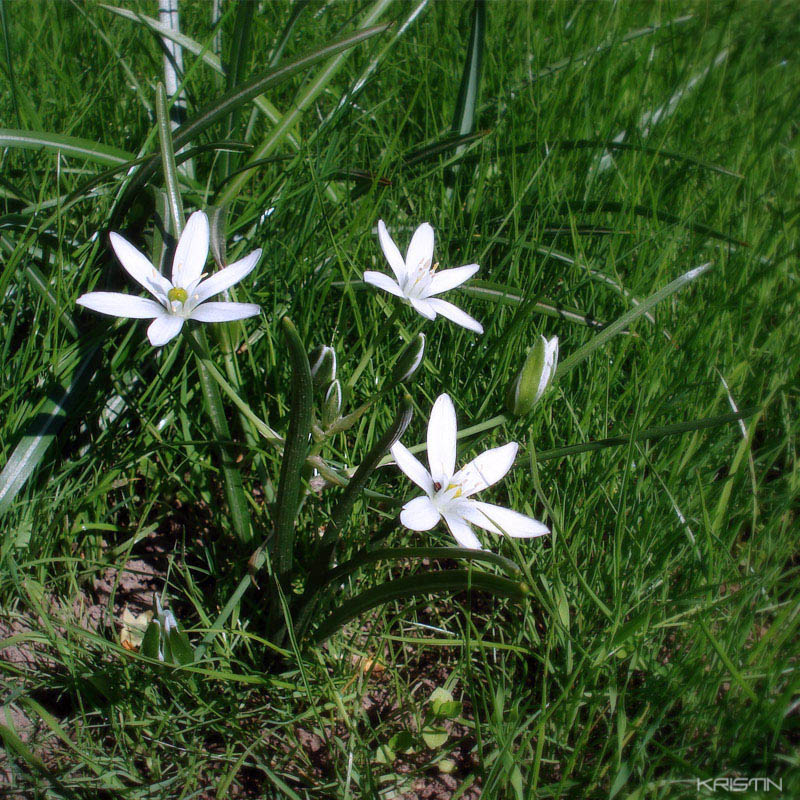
(417, 279)
(182, 298)
(447, 493)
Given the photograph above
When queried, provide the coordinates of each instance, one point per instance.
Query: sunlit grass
(658, 643)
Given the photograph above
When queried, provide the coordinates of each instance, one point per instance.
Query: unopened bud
(409, 361)
(332, 407)
(322, 361)
(534, 377)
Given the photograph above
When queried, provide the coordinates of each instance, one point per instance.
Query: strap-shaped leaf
(66, 145)
(464, 117)
(294, 452)
(398, 553)
(168, 161)
(223, 106)
(410, 586)
(45, 425)
(622, 322)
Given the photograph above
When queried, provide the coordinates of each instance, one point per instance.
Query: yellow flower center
(177, 294)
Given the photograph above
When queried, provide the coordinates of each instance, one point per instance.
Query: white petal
(486, 469)
(191, 252)
(442, 440)
(462, 532)
(412, 467)
(423, 307)
(450, 278)
(419, 514)
(391, 252)
(383, 282)
(121, 305)
(502, 520)
(420, 251)
(226, 278)
(139, 267)
(224, 312)
(162, 329)
(455, 314)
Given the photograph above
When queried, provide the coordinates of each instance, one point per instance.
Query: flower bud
(332, 407)
(322, 361)
(409, 361)
(537, 372)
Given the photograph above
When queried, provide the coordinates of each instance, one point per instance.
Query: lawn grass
(658, 640)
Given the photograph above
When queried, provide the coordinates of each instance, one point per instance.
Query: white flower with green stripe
(417, 280)
(185, 296)
(448, 494)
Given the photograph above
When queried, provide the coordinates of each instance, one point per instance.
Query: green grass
(658, 643)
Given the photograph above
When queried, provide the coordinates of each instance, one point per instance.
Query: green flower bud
(322, 361)
(409, 361)
(534, 377)
(332, 407)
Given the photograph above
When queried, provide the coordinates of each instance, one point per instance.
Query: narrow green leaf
(398, 553)
(168, 161)
(648, 434)
(307, 96)
(622, 322)
(456, 580)
(66, 145)
(46, 424)
(238, 51)
(221, 107)
(464, 116)
(294, 453)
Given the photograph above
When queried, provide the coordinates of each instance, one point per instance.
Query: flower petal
(224, 312)
(412, 467)
(383, 282)
(420, 251)
(442, 440)
(162, 329)
(391, 252)
(462, 532)
(502, 520)
(121, 305)
(450, 278)
(419, 514)
(191, 252)
(486, 469)
(139, 267)
(226, 278)
(455, 314)
(423, 307)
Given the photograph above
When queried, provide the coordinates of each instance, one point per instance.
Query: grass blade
(467, 102)
(622, 322)
(308, 95)
(294, 453)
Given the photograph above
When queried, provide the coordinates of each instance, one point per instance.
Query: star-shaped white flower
(447, 492)
(417, 280)
(182, 298)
